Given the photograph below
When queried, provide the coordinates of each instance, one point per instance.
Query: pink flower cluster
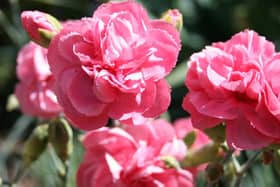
(112, 65)
(236, 82)
(35, 89)
(126, 158)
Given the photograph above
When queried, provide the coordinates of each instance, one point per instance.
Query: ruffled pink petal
(162, 99)
(81, 95)
(114, 167)
(272, 70)
(47, 101)
(99, 136)
(221, 109)
(163, 130)
(56, 61)
(36, 103)
(126, 103)
(25, 62)
(199, 120)
(104, 91)
(87, 53)
(183, 126)
(272, 102)
(263, 121)
(105, 11)
(78, 119)
(41, 66)
(134, 118)
(165, 53)
(65, 46)
(241, 134)
(156, 134)
(22, 93)
(255, 44)
(174, 178)
(92, 175)
(171, 31)
(175, 148)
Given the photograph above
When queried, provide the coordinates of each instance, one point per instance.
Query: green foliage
(48, 169)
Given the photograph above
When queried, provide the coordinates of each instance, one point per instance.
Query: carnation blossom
(112, 65)
(235, 82)
(35, 89)
(133, 157)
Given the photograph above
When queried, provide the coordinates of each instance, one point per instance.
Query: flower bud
(35, 144)
(40, 26)
(174, 17)
(214, 172)
(207, 153)
(267, 157)
(61, 138)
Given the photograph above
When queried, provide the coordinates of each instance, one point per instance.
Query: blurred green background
(205, 21)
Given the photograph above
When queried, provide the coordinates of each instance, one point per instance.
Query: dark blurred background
(205, 21)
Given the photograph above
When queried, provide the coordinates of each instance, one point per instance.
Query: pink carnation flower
(113, 64)
(184, 126)
(236, 82)
(133, 157)
(35, 89)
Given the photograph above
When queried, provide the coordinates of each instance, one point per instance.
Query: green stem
(228, 156)
(66, 165)
(244, 168)
(61, 167)
(207, 153)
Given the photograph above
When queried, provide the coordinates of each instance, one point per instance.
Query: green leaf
(190, 138)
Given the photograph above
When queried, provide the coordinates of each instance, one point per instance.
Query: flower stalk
(208, 153)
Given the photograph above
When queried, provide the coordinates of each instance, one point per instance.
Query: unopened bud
(214, 171)
(61, 138)
(174, 17)
(273, 146)
(35, 144)
(207, 153)
(267, 157)
(40, 26)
